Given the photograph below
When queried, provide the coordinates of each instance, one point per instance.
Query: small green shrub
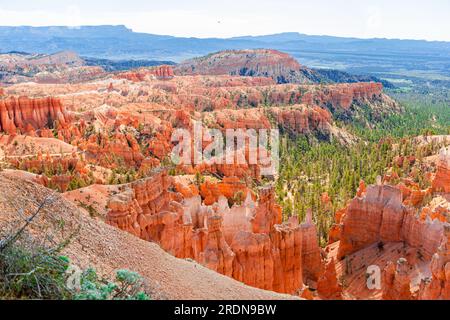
(39, 273)
(128, 286)
(32, 274)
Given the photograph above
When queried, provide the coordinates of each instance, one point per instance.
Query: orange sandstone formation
(414, 221)
(396, 281)
(344, 95)
(246, 242)
(311, 252)
(441, 182)
(161, 72)
(26, 115)
(328, 286)
(381, 216)
(438, 286)
(302, 119)
(164, 72)
(230, 187)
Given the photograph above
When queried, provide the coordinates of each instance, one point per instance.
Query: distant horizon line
(224, 38)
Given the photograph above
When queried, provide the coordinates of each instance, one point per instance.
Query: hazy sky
(410, 19)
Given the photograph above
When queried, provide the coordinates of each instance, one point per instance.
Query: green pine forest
(310, 168)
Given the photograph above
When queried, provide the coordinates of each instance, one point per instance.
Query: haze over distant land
(405, 19)
(388, 58)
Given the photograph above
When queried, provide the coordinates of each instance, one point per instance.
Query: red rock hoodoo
(24, 115)
(328, 286)
(396, 281)
(246, 242)
(441, 182)
(381, 216)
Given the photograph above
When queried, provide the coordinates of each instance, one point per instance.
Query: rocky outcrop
(240, 119)
(396, 281)
(328, 286)
(379, 215)
(438, 286)
(311, 252)
(109, 151)
(246, 241)
(142, 209)
(255, 63)
(302, 119)
(25, 115)
(287, 251)
(230, 187)
(61, 67)
(164, 72)
(344, 95)
(441, 182)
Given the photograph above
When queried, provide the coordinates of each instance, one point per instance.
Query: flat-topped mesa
(25, 115)
(441, 182)
(380, 216)
(277, 65)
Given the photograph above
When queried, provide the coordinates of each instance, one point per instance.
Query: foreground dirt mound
(107, 249)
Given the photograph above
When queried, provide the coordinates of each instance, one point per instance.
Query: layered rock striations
(328, 286)
(246, 241)
(437, 287)
(396, 281)
(303, 120)
(163, 72)
(25, 115)
(311, 252)
(441, 182)
(256, 63)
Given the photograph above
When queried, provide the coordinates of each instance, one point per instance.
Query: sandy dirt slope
(107, 249)
(26, 146)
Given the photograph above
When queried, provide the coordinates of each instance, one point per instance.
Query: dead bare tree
(10, 239)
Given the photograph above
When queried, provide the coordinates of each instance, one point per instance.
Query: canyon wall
(344, 95)
(163, 72)
(277, 65)
(25, 115)
(441, 182)
(301, 119)
(438, 286)
(380, 216)
(246, 241)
